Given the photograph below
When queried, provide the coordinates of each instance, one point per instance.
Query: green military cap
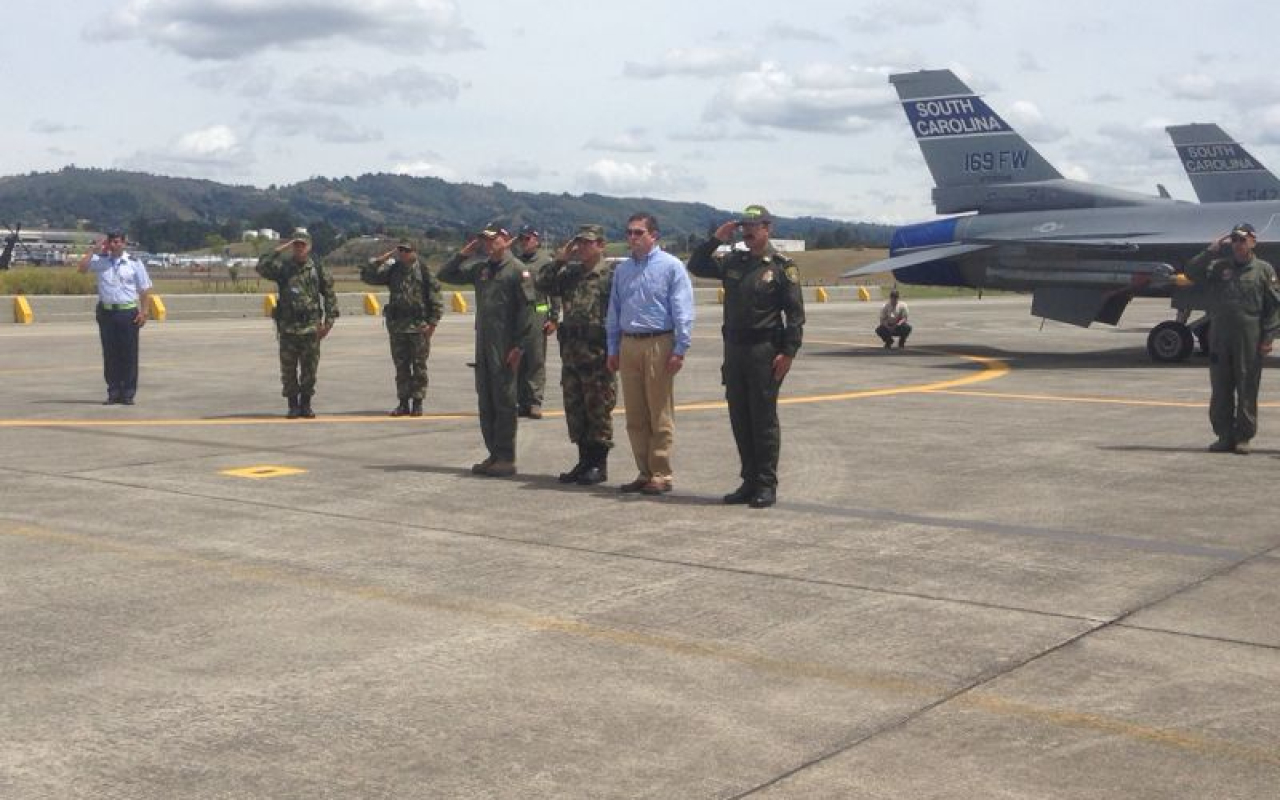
(300, 235)
(755, 213)
(405, 244)
(591, 233)
(495, 228)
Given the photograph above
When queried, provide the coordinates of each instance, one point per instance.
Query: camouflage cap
(405, 244)
(495, 228)
(300, 235)
(1244, 229)
(529, 230)
(754, 213)
(591, 233)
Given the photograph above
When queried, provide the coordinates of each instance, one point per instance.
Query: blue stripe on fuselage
(944, 272)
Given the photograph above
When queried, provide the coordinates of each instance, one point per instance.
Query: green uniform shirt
(761, 294)
(415, 295)
(1244, 301)
(546, 306)
(504, 301)
(306, 298)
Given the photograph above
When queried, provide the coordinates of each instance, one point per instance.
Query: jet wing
(911, 259)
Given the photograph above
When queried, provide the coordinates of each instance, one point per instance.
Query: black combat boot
(572, 475)
(416, 409)
(597, 470)
(401, 410)
(293, 407)
(304, 407)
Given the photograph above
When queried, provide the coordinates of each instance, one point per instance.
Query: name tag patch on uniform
(767, 277)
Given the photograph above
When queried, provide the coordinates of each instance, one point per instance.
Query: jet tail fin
(1220, 170)
(968, 147)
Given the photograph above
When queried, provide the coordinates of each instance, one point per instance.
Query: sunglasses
(636, 231)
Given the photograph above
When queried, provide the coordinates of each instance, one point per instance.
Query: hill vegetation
(180, 214)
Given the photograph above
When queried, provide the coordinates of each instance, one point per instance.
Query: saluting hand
(725, 232)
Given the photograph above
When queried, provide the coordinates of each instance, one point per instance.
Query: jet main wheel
(1170, 342)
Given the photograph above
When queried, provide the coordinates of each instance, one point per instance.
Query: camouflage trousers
(590, 392)
(299, 360)
(409, 353)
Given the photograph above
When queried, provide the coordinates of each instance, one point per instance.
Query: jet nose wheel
(1170, 342)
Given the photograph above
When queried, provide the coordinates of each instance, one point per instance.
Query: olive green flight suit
(306, 302)
(1244, 306)
(531, 383)
(763, 316)
(504, 315)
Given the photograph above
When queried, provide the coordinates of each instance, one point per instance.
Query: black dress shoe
(740, 496)
(765, 497)
(126, 401)
(592, 475)
(111, 401)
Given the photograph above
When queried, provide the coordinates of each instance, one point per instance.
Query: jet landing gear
(1170, 342)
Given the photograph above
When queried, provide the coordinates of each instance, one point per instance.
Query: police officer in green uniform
(1244, 306)
(413, 309)
(582, 278)
(504, 315)
(763, 326)
(305, 311)
(532, 380)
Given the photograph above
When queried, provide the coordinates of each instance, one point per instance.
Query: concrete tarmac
(1002, 565)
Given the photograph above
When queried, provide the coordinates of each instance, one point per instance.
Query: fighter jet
(1083, 250)
(1220, 170)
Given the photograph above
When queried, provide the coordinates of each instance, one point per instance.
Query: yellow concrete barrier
(22, 311)
(720, 295)
(821, 295)
(459, 303)
(863, 294)
(268, 305)
(156, 309)
(371, 304)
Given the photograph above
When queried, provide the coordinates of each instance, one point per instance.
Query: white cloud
(49, 127)
(328, 128)
(411, 86)
(632, 141)
(1190, 86)
(620, 177)
(1026, 119)
(423, 168)
(514, 169)
(885, 15)
(227, 29)
(696, 62)
(719, 131)
(825, 98)
(214, 151)
(245, 81)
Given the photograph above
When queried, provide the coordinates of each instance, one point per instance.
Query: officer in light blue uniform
(123, 291)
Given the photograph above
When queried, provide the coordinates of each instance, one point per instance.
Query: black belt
(751, 335)
(645, 334)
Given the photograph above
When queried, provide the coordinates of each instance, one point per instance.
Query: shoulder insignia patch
(793, 273)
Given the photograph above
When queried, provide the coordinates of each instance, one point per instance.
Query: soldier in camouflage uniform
(582, 278)
(532, 380)
(305, 312)
(1244, 306)
(504, 315)
(763, 326)
(413, 309)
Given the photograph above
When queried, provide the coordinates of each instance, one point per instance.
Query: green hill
(164, 213)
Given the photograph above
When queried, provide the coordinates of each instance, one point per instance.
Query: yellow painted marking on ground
(263, 471)
(528, 619)
(1118, 401)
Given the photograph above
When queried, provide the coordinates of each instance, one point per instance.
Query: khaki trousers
(647, 393)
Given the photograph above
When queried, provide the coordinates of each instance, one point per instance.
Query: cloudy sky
(782, 103)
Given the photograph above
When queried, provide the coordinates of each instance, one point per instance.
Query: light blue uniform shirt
(120, 280)
(651, 294)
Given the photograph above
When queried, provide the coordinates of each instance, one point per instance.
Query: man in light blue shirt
(123, 291)
(649, 328)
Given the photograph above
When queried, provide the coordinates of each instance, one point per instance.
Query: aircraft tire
(1170, 342)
